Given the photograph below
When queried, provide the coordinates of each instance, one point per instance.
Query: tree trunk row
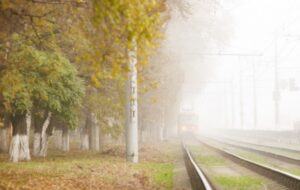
(17, 129)
(90, 133)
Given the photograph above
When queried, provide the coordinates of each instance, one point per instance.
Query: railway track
(198, 179)
(262, 152)
(288, 180)
(264, 146)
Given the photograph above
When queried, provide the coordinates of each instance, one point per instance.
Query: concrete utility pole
(276, 84)
(226, 106)
(254, 95)
(276, 94)
(241, 96)
(132, 108)
(232, 104)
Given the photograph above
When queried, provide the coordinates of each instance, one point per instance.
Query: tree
(129, 27)
(94, 35)
(37, 80)
(160, 95)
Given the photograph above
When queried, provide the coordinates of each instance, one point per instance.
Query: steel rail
(265, 146)
(197, 177)
(262, 152)
(289, 180)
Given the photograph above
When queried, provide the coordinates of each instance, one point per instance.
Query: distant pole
(239, 56)
(132, 108)
(226, 106)
(254, 96)
(241, 96)
(276, 85)
(232, 105)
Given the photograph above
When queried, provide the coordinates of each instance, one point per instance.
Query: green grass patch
(264, 160)
(280, 152)
(294, 171)
(239, 182)
(209, 160)
(161, 174)
(205, 157)
(253, 156)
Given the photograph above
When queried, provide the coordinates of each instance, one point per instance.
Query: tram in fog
(188, 123)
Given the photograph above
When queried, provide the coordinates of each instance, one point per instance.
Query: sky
(257, 21)
(212, 83)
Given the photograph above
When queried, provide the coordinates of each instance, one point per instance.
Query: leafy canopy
(42, 79)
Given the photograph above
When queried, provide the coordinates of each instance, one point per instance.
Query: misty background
(240, 62)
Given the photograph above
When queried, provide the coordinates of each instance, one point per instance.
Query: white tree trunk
(24, 153)
(84, 141)
(36, 143)
(44, 137)
(94, 135)
(84, 132)
(161, 134)
(44, 146)
(40, 141)
(65, 141)
(28, 123)
(132, 109)
(101, 140)
(19, 147)
(58, 139)
(14, 148)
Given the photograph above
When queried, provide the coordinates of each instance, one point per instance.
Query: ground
(91, 170)
(181, 178)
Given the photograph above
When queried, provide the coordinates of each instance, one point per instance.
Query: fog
(240, 60)
(150, 94)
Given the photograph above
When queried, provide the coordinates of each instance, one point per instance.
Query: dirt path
(181, 178)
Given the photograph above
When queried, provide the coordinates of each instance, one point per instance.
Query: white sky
(248, 26)
(256, 21)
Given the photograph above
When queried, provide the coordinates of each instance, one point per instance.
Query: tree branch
(23, 14)
(59, 2)
(35, 30)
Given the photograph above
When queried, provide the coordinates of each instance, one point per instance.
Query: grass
(280, 152)
(208, 160)
(252, 156)
(224, 179)
(161, 174)
(275, 150)
(204, 158)
(294, 171)
(239, 182)
(91, 170)
(265, 161)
